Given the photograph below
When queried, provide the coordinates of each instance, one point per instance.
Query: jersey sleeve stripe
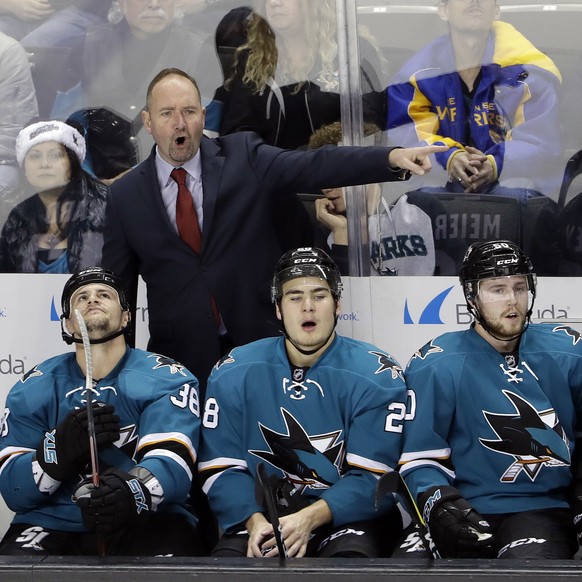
(221, 463)
(8, 454)
(440, 454)
(175, 441)
(178, 459)
(367, 464)
(211, 470)
(407, 467)
(209, 482)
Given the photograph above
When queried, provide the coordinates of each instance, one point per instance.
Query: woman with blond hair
(286, 80)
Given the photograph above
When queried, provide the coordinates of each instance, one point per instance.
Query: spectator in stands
(208, 290)
(22, 16)
(400, 237)
(50, 23)
(146, 423)
(205, 14)
(50, 42)
(18, 106)
(60, 228)
(230, 33)
(311, 406)
(488, 93)
(120, 57)
(492, 450)
(286, 82)
(285, 86)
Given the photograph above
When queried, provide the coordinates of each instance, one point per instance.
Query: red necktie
(186, 217)
(187, 221)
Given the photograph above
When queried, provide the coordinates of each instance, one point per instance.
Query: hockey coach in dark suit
(203, 299)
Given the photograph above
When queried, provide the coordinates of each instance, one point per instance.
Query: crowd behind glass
(506, 113)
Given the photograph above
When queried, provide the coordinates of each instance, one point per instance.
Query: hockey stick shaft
(90, 419)
(270, 502)
(89, 396)
(393, 482)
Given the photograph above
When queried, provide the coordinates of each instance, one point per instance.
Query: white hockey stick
(101, 546)
(89, 395)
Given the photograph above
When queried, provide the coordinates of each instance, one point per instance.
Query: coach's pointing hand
(415, 160)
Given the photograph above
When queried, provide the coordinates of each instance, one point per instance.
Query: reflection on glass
(401, 240)
(120, 58)
(489, 85)
(487, 92)
(286, 82)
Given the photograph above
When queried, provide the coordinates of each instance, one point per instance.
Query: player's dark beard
(500, 329)
(99, 327)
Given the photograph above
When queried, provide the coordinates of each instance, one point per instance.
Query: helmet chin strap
(71, 339)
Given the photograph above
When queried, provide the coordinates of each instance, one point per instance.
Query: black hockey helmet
(88, 276)
(306, 262)
(489, 259)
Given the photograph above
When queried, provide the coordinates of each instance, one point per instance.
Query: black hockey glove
(457, 529)
(576, 493)
(577, 516)
(120, 500)
(64, 451)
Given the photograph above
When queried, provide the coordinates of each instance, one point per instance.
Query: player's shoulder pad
(363, 357)
(47, 368)
(164, 365)
(429, 352)
(566, 333)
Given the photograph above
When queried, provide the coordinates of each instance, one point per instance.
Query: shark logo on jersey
(297, 390)
(427, 350)
(124, 448)
(534, 439)
(569, 331)
(165, 362)
(387, 363)
(128, 440)
(226, 359)
(31, 374)
(307, 461)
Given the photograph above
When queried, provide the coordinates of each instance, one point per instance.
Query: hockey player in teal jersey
(147, 421)
(323, 413)
(492, 455)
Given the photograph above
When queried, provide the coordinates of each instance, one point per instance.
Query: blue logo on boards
(54, 314)
(431, 313)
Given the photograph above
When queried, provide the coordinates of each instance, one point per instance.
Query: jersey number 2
(399, 412)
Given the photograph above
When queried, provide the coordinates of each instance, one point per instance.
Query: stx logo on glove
(49, 446)
(429, 504)
(140, 500)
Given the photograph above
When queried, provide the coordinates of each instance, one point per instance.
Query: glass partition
(498, 82)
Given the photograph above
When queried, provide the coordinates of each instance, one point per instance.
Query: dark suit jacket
(242, 180)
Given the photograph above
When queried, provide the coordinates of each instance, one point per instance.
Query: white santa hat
(44, 131)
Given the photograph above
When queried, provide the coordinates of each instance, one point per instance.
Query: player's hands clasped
(120, 500)
(64, 451)
(457, 529)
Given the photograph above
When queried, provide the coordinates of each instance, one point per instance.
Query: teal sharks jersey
(156, 400)
(499, 428)
(329, 431)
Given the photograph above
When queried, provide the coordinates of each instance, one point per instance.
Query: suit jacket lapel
(212, 166)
